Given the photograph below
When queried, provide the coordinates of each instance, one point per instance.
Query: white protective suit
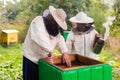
(39, 43)
(82, 44)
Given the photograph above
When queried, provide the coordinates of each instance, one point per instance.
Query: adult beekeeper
(42, 38)
(82, 38)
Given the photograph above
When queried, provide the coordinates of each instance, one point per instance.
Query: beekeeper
(81, 38)
(42, 37)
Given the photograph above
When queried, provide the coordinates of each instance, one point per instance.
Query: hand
(66, 59)
(50, 57)
(99, 35)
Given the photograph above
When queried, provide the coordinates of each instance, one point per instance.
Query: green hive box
(83, 68)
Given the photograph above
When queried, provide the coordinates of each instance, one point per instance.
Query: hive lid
(10, 31)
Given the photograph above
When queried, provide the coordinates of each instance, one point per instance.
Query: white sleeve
(69, 41)
(61, 45)
(39, 34)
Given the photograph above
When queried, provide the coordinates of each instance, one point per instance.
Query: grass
(16, 48)
(107, 57)
(11, 62)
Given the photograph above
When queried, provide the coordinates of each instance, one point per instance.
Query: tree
(97, 11)
(11, 11)
(117, 13)
(24, 11)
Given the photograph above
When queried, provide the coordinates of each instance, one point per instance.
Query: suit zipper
(84, 45)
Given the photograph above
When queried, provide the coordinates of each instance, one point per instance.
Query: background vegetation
(18, 16)
(11, 63)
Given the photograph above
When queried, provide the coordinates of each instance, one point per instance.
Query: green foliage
(56, 52)
(116, 72)
(98, 16)
(115, 32)
(11, 11)
(11, 63)
(106, 56)
(12, 49)
(97, 11)
(10, 67)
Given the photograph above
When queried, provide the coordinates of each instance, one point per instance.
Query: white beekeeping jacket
(82, 44)
(38, 43)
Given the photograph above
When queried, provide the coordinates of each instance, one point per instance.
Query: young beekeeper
(42, 37)
(81, 38)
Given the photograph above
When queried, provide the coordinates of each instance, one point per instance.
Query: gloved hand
(97, 36)
(66, 59)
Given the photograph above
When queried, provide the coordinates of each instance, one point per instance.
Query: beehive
(83, 68)
(9, 36)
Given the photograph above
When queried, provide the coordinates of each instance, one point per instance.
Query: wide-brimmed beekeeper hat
(60, 16)
(81, 17)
